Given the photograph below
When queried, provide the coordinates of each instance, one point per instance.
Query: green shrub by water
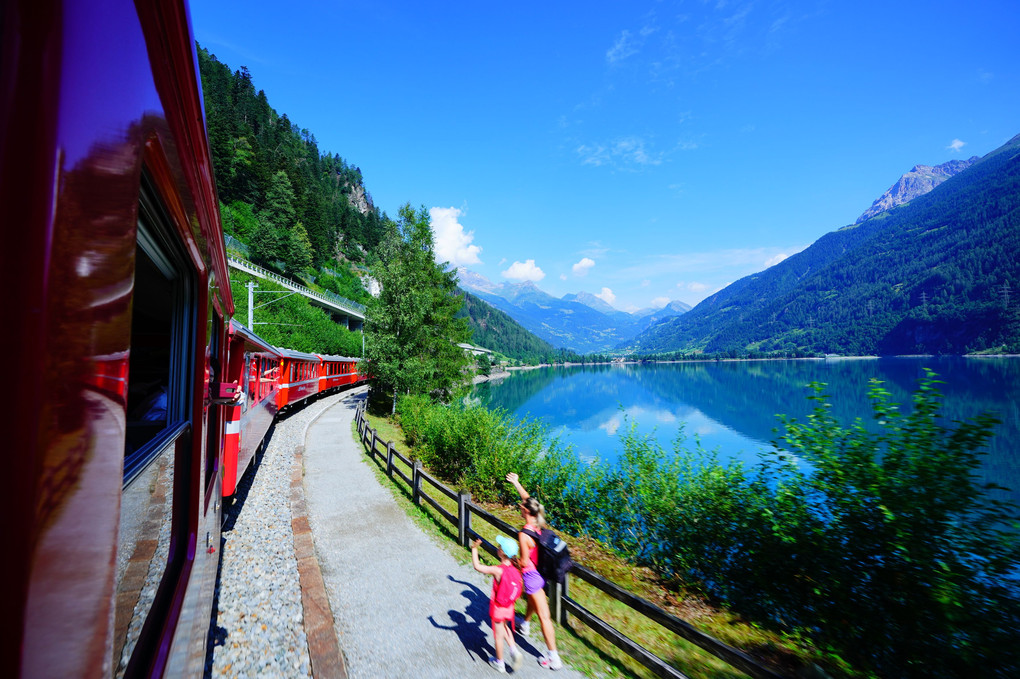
(887, 552)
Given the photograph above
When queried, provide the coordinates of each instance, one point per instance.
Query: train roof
(297, 355)
(242, 330)
(330, 357)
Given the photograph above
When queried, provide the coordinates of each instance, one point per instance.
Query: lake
(732, 406)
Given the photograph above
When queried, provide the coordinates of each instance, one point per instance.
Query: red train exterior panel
(255, 365)
(108, 202)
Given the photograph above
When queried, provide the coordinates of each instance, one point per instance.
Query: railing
(236, 245)
(560, 603)
(343, 303)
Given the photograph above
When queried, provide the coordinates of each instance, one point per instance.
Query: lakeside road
(402, 604)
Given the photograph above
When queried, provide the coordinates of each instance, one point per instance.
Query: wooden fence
(560, 603)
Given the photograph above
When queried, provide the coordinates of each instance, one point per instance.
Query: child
(506, 588)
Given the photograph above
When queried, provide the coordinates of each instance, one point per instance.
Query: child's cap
(508, 546)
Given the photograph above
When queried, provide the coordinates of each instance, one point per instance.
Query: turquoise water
(732, 406)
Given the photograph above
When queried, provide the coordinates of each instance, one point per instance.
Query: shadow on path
(473, 627)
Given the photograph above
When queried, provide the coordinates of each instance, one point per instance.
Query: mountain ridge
(579, 321)
(922, 278)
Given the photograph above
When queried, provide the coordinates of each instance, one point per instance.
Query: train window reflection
(161, 364)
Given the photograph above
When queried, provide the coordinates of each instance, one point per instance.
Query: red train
(119, 415)
(272, 381)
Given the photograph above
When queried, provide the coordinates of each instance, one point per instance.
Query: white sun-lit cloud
(956, 145)
(772, 261)
(607, 296)
(693, 286)
(524, 271)
(563, 276)
(453, 243)
(582, 267)
(660, 302)
(621, 49)
(623, 153)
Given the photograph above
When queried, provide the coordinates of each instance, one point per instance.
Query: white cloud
(563, 276)
(453, 244)
(772, 261)
(622, 153)
(645, 283)
(660, 302)
(524, 271)
(621, 49)
(693, 286)
(956, 145)
(607, 296)
(581, 268)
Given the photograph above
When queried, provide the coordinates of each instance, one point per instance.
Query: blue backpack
(553, 555)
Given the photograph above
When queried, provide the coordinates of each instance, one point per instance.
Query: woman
(534, 520)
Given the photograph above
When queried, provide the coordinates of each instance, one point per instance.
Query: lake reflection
(733, 406)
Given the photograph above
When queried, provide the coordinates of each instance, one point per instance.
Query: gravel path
(402, 604)
(258, 625)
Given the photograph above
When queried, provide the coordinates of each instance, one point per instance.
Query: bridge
(352, 313)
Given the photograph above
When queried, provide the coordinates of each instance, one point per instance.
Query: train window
(253, 379)
(157, 457)
(213, 421)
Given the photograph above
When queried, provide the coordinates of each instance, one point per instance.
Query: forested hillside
(287, 201)
(940, 274)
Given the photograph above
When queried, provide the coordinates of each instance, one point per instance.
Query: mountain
(920, 180)
(581, 322)
(493, 329)
(940, 274)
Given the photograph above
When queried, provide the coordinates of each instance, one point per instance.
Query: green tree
(484, 365)
(297, 251)
(412, 332)
(279, 208)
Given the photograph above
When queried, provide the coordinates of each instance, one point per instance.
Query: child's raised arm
(479, 566)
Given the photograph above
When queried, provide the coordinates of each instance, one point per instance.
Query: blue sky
(640, 151)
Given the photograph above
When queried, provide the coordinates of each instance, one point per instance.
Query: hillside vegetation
(939, 274)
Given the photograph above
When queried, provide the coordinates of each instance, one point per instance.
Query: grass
(583, 648)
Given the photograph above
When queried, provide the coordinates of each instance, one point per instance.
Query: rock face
(358, 197)
(920, 180)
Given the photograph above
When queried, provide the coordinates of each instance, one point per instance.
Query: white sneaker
(516, 659)
(550, 662)
(524, 628)
(498, 665)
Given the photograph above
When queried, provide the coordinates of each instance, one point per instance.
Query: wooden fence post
(389, 459)
(564, 593)
(463, 518)
(416, 481)
(371, 448)
(555, 592)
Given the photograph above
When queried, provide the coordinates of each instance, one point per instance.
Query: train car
(255, 365)
(299, 377)
(116, 305)
(336, 372)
